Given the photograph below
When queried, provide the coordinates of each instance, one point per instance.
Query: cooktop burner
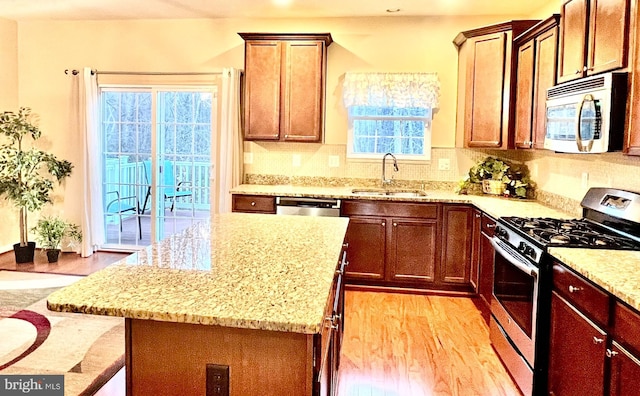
(570, 233)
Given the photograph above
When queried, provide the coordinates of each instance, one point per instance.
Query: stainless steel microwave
(587, 115)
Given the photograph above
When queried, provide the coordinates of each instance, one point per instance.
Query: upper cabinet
(486, 84)
(537, 54)
(593, 37)
(284, 97)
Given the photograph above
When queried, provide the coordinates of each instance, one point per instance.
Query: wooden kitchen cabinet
(632, 126)
(285, 78)
(482, 259)
(392, 244)
(594, 340)
(536, 72)
(457, 232)
(578, 348)
(253, 204)
(594, 36)
(486, 84)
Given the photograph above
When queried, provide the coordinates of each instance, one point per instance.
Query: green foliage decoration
(515, 176)
(27, 174)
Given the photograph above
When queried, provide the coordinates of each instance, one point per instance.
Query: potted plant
(27, 174)
(49, 233)
(497, 177)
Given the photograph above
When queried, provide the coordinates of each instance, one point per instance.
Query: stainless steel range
(520, 304)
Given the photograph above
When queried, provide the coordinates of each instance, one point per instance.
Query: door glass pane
(169, 145)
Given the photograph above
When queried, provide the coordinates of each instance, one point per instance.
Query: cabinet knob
(384, 224)
(578, 71)
(597, 340)
(253, 203)
(395, 224)
(478, 215)
(611, 353)
(345, 245)
(491, 226)
(574, 289)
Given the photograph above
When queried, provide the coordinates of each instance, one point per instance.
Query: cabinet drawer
(488, 224)
(253, 203)
(626, 326)
(581, 293)
(383, 209)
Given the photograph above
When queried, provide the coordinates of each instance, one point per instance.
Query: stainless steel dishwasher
(307, 206)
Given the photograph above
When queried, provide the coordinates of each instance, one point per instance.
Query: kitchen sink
(406, 193)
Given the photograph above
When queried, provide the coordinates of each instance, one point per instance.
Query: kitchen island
(253, 293)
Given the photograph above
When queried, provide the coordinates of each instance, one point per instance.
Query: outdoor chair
(122, 205)
(170, 188)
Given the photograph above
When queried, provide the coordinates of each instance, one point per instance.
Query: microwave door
(588, 123)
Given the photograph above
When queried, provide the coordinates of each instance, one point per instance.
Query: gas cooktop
(570, 233)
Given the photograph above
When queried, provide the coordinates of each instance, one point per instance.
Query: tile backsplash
(561, 179)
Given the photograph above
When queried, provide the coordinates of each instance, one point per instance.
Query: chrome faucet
(386, 181)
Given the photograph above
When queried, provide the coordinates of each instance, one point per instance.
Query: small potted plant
(497, 177)
(49, 233)
(27, 174)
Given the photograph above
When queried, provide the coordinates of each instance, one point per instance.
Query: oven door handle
(532, 271)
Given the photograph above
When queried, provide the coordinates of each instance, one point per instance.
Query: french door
(157, 161)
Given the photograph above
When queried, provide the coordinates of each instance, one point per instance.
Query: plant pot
(24, 254)
(53, 255)
(493, 187)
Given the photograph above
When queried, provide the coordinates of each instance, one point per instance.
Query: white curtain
(88, 121)
(391, 90)
(231, 144)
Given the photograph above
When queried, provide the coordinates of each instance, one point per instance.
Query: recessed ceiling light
(282, 3)
(392, 10)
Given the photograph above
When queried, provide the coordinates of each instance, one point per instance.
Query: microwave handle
(581, 147)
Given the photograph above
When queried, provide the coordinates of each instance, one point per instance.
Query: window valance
(391, 89)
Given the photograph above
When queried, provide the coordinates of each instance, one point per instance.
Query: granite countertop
(238, 270)
(617, 271)
(494, 206)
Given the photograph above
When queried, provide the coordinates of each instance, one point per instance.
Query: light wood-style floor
(394, 344)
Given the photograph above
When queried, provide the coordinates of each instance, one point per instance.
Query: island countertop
(236, 270)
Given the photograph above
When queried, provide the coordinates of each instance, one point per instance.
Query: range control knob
(502, 233)
(526, 250)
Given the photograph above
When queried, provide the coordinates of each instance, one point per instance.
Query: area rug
(87, 349)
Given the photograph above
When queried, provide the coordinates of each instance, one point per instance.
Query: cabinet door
(457, 222)
(262, 90)
(544, 78)
(487, 256)
(524, 94)
(608, 35)
(487, 79)
(577, 352)
(366, 237)
(474, 274)
(625, 372)
(413, 250)
(303, 95)
(573, 33)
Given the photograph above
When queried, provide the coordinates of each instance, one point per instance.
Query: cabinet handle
(491, 226)
(611, 353)
(384, 224)
(597, 340)
(339, 272)
(478, 215)
(345, 245)
(578, 71)
(574, 289)
(395, 224)
(253, 203)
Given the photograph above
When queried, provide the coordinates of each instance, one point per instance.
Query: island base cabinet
(166, 358)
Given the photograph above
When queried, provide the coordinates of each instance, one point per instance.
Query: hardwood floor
(394, 344)
(403, 344)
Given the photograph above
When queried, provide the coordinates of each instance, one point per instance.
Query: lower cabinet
(482, 261)
(594, 340)
(253, 204)
(409, 245)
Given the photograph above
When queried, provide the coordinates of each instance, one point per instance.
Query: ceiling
(178, 9)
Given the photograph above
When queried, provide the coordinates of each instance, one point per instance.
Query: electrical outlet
(585, 179)
(444, 164)
(248, 158)
(217, 380)
(297, 160)
(334, 161)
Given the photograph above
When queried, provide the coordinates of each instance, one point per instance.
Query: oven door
(515, 297)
